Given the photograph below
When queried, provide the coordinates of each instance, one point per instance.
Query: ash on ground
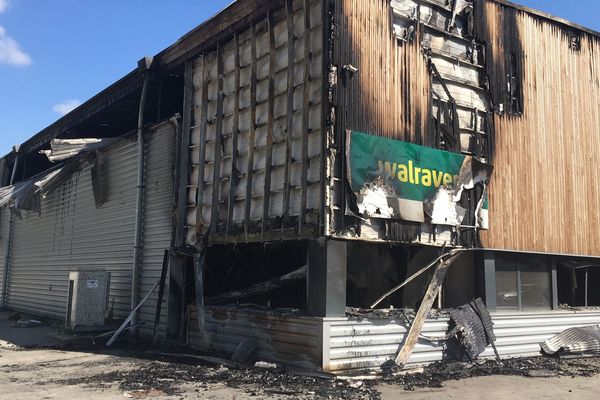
(435, 374)
(164, 375)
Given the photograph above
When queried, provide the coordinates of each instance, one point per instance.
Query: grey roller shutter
(158, 221)
(71, 233)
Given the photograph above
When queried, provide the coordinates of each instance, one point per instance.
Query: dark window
(523, 282)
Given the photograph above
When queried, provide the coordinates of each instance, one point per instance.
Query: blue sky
(57, 53)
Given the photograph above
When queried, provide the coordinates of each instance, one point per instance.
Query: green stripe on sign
(414, 172)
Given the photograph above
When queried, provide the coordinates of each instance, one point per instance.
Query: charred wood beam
(183, 156)
(216, 184)
(233, 182)
(199, 262)
(252, 135)
(305, 115)
(260, 288)
(432, 291)
(270, 118)
(161, 291)
(202, 158)
(409, 279)
(285, 212)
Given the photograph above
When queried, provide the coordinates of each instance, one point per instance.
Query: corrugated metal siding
(4, 236)
(282, 338)
(370, 343)
(72, 233)
(256, 130)
(158, 221)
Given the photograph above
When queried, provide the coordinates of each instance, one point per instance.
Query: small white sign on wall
(92, 283)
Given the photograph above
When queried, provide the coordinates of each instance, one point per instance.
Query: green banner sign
(414, 173)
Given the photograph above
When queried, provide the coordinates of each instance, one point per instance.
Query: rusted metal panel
(367, 344)
(545, 191)
(282, 337)
(262, 97)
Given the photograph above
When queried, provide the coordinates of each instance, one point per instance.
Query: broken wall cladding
(447, 40)
(72, 233)
(283, 338)
(545, 179)
(360, 344)
(258, 101)
(498, 28)
(396, 94)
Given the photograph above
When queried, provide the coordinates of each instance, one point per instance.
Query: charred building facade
(291, 166)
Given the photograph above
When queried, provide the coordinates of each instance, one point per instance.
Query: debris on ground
(164, 375)
(573, 341)
(435, 374)
(27, 323)
(474, 330)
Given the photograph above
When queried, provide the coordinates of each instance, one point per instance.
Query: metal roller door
(158, 221)
(71, 232)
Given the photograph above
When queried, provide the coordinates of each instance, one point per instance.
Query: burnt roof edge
(547, 16)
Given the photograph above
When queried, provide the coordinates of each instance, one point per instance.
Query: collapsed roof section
(73, 155)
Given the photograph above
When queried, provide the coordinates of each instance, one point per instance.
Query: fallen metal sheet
(63, 149)
(474, 333)
(574, 340)
(26, 195)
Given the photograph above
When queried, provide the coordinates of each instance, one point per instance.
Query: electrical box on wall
(87, 298)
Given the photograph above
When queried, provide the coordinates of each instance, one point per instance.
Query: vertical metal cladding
(256, 130)
(545, 191)
(72, 233)
(4, 237)
(158, 221)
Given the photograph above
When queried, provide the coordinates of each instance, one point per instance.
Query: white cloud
(66, 106)
(3, 5)
(10, 51)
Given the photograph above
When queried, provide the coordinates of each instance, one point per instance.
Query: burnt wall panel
(256, 131)
(389, 95)
(545, 191)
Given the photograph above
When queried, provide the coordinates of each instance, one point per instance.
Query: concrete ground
(36, 364)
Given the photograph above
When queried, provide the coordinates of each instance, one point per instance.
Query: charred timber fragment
(235, 173)
(289, 134)
(252, 132)
(432, 291)
(218, 145)
(270, 117)
(260, 288)
(203, 122)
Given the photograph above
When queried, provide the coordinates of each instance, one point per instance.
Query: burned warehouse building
(327, 184)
